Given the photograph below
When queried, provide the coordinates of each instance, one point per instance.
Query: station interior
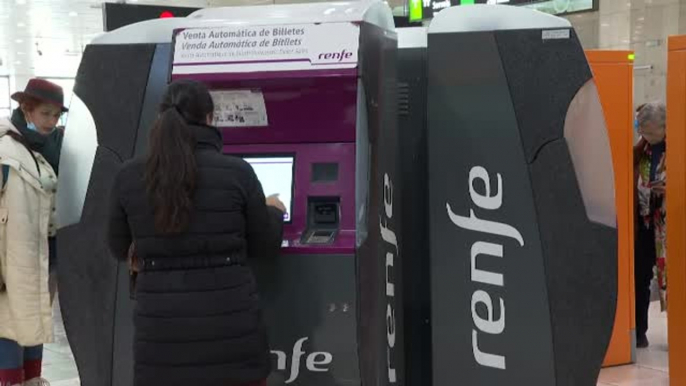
(438, 162)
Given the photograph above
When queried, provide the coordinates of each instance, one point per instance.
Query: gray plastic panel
(581, 269)
(379, 257)
(94, 289)
(111, 81)
(157, 85)
(415, 243)
(87, 276)
(309, 304)
(543, 77)
(517, 267)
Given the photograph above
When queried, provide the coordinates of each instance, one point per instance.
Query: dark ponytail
(171, 169)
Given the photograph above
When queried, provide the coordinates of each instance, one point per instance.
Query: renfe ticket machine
(309, 114)
(306, 95)
(521, 202)
(500, 107)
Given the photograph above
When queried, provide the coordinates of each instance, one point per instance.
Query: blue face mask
(31, 126)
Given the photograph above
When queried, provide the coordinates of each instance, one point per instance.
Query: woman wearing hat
(29, 154)
(41, 105)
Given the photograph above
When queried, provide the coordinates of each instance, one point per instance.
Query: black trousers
(644, 261)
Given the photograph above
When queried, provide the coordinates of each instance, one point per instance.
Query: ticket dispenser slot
(323, 218)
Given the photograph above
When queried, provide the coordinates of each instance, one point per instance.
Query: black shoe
(642, 341)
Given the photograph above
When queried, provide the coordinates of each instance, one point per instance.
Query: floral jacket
(652, 210)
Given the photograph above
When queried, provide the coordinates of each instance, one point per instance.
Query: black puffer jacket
(197, 317)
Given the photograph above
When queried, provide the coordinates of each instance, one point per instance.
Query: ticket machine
(522, 238)
(522, 212)
(312, 118)
(305, 94)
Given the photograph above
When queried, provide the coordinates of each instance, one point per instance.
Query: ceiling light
(17, 62)
(641, 18)
(73, 14)
(19, 41)
(605, 25)
(21, 2)
(21, 25)
(20, 53)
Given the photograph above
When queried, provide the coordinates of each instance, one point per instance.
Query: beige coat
(26, 220)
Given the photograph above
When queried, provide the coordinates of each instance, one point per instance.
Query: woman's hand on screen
(274, 201)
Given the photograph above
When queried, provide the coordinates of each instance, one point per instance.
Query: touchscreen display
(276, 176)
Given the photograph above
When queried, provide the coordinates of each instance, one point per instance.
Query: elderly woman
(29, 151)
(650, 247)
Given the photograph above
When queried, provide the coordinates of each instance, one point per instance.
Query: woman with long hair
(194, 217)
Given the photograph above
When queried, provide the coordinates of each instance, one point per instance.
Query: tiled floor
(651, 370)
(58, 362)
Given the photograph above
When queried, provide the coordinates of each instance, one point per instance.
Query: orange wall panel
(613, 74)
(676, 208)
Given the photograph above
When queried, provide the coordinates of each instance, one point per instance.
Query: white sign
(239, 108)
(266, 48)
(555, 34)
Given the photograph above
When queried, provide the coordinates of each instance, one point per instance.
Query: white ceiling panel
(46, 37)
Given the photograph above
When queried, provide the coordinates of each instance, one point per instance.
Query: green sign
(416, 10)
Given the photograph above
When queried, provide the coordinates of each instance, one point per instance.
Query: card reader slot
(323, 220)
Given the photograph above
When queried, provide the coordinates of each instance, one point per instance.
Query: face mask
(32, 126)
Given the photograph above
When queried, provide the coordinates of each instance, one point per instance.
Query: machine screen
(276, 176)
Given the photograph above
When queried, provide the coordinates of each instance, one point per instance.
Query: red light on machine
(166, 15)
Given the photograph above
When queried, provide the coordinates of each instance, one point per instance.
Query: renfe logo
(388, 235)
(336, 56)
(315, 361)
(488, 325)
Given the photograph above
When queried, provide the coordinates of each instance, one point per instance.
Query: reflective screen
(276, 176)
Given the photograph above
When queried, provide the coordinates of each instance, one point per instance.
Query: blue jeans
(13, 356)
